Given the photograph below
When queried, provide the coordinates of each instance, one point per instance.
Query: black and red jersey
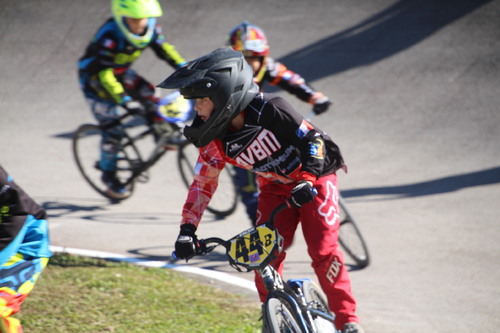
(275, 142)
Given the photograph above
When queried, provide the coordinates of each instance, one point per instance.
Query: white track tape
(220, 276)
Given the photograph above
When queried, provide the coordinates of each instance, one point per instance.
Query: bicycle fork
(297, 285)
(276, 287)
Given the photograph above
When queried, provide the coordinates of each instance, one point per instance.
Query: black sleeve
(288, 80)
(15, 205)
(165, 50)
(101, 51)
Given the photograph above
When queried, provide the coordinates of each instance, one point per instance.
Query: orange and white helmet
(249, 39)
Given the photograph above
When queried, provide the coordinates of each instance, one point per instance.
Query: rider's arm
(103, 57)
(112, 85)
(278, 74)
(165, 50)
(207, 170)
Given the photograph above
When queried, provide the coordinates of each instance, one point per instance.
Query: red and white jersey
(275, 142)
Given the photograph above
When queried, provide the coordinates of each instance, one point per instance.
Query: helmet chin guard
(136, 9)
(226, 78)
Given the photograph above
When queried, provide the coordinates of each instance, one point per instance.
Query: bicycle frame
(295, 297)
(134, 155)
(291, 291)
(140, 164)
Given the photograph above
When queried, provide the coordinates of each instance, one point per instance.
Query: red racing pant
(320, 225)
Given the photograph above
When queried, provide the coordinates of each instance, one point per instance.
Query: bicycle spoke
(280, 317)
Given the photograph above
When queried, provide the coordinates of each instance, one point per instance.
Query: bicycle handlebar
(278, 209)
(205, 245)
(115, 121)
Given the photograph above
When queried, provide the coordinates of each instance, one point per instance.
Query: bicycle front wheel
(280, 316)
(87, 154)
(225, 199)
(350, 237)
(316, 299)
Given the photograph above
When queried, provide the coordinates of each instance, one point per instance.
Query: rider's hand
(302, 193)
(9, 203)
(321, 105)
(134, 107)
(187, 242)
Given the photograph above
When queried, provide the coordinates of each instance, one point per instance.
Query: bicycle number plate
(255, 247)
(174, 108)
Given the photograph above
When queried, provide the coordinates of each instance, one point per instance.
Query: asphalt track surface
(416, 87)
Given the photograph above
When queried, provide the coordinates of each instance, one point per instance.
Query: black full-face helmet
(226, 78)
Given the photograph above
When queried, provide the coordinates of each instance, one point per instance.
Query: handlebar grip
(200, 250)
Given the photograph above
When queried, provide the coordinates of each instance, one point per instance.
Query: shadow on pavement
(395, 29)
(436, 186)
(58, 208)
(214, 261)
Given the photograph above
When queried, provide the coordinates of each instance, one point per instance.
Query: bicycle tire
(350, 237)
(280, 316)
(86, 152)
(316, 299)
(225, 199)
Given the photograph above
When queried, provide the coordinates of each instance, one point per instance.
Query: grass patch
(76, 294)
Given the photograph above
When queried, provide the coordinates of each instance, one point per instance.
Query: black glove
(321, 105)
(9, 203)
(302, 193)
(134, 107)
(187, 242)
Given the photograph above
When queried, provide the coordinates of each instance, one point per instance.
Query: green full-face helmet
(136, 9)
